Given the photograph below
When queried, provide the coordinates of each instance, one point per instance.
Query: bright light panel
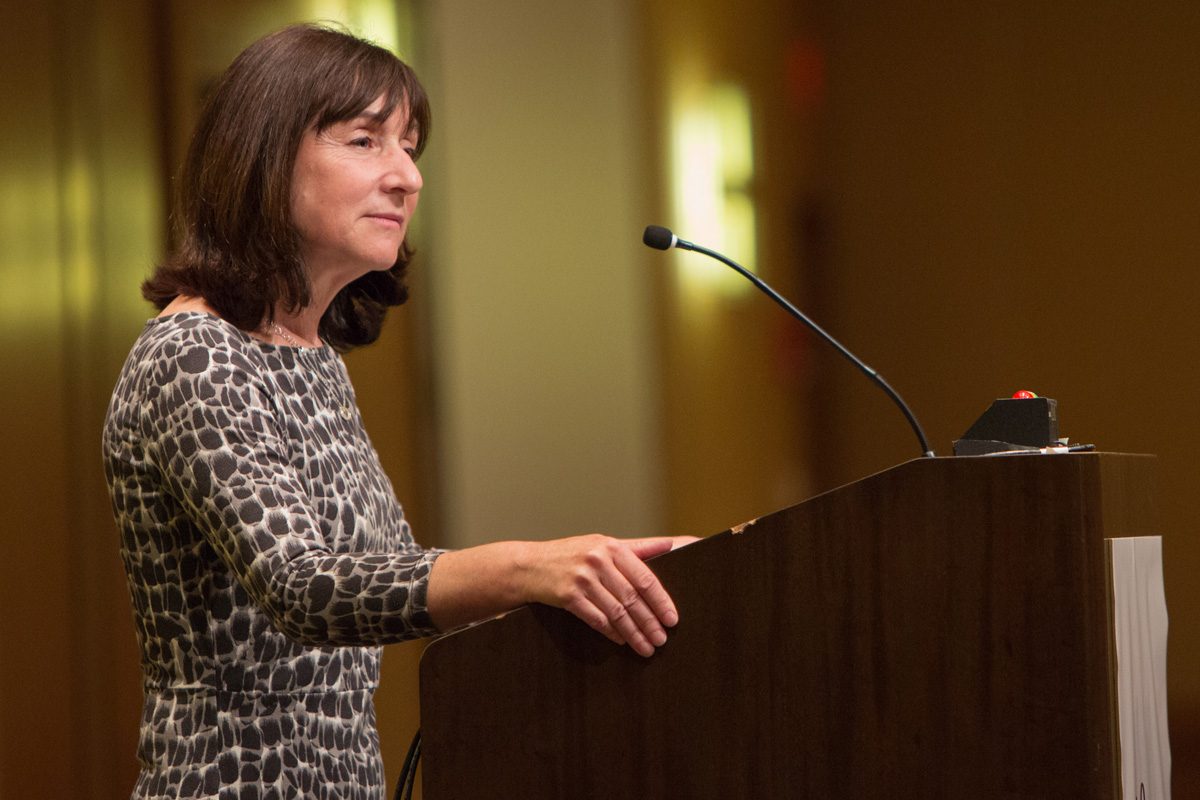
(713, 164)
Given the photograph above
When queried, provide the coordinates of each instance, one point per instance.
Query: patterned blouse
(267, 560)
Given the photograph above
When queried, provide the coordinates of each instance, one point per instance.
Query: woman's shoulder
(192, 339)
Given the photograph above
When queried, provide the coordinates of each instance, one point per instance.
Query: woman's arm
(601, 580)
(211, 426)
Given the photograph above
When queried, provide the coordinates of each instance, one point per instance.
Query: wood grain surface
(938, 630)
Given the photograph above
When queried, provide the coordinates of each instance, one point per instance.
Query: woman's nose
(403, 175)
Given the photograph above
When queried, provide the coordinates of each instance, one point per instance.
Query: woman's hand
(599, 579)
(605, 583)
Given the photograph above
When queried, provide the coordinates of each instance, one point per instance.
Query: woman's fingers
(629, 614)
(587, 611)
(649, 548)
(637, 605)
(656, 609)
(645, 587)
(604, 582)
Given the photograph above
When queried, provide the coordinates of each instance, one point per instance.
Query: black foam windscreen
(658, 237)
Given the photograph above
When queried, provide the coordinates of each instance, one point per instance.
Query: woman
(266, 555)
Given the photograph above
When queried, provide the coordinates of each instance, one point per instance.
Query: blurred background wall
(975, 199)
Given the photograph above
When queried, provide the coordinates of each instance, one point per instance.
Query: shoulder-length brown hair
(239, 248)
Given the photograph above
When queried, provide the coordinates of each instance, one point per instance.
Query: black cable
(408, 772)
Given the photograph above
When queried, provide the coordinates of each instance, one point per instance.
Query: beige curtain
(81, 219)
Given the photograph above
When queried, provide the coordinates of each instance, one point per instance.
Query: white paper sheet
(1140, 619)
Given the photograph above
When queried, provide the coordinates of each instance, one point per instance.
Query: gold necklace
(280, 332)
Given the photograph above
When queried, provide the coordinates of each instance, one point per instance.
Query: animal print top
(267, 559)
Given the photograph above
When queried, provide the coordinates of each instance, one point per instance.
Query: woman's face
(354, 190)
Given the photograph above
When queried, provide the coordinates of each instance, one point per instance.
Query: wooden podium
(942, 629)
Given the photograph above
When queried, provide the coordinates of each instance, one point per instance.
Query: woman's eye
(361, 141)
(412, 153)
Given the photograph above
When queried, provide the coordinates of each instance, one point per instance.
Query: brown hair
(239, 248)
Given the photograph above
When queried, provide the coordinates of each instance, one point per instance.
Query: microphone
(660, 238)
